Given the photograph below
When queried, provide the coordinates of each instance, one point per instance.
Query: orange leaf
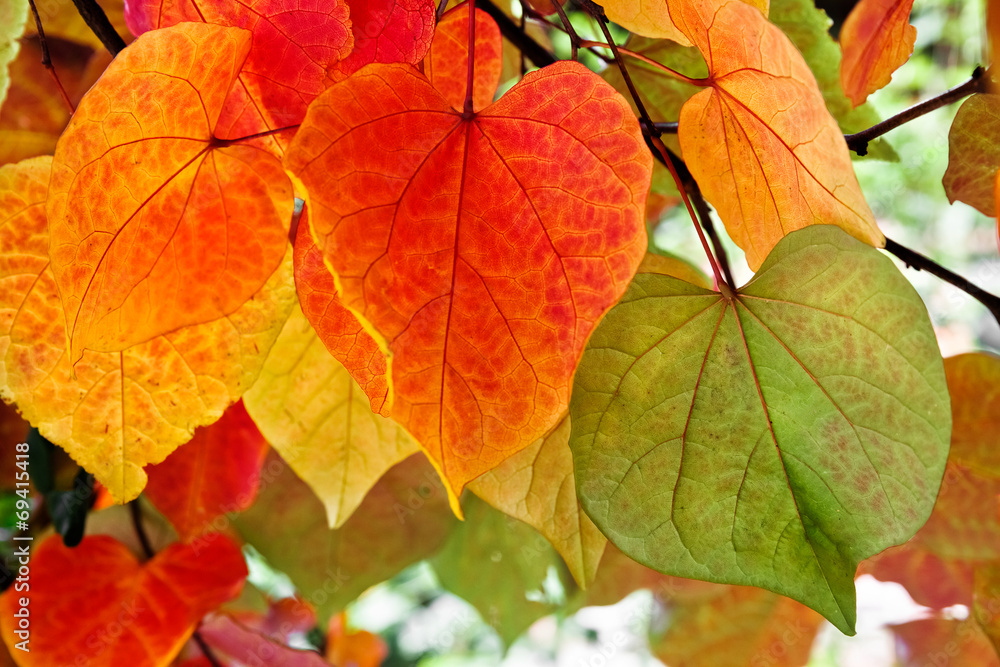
(387, 31)
(335, 325)
(292, 46)
(446, 64)
(936, 565)
(652, 18)
(115, 412)
(216, 473)
(942, 641)
(97, 604)
(154, 223)
(358, 648)
(760, 141)
(483, 250)
(876, 39)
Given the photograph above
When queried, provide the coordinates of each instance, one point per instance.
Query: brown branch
(915, 260)
(858, 142)
(534, 51)
(98, 22)
(47, 58)
(140, 532)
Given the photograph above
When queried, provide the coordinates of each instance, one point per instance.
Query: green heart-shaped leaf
(775, 438)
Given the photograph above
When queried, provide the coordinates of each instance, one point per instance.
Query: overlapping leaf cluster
(315, 227)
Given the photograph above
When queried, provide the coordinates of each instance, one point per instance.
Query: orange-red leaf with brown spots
(213, 475)
(154, 223)
(96, 604)
(759, 140)
(482, 249)
(876, 39)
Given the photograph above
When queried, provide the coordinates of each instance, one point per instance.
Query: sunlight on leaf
(336, 326)
(482, 250)
(154, 224)
(776, 438)
(447, 62)
(98, 604)
(387, 31)
(876, 39)
(319, 420)
(116, 412)
(760, 141)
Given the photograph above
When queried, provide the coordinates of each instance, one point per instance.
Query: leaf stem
(574, 39)
(915, 260)
(667, 128)
(140, 532)
(858, 142)
(534, 51)
(47, 59)
(442, 6)
(705, 215)
(98, 22)
(724, 286)
(206, 650)
(649, 61)
(468, 109)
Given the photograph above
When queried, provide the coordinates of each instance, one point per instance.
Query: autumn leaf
(291, 47)
(759, 139)
(403, 520)
(943, 640)
(387, 31)
(447, 61)
(318, 418)
(214, 474)
(230, 639)
(144, 199)
(492, 561)
(651, 18)
(359, 648)
(963, 532)
(337, 327)
(537, 486)
(479, 249)
(98, 604)
(34, 113)
(13, 18)
(115, 412)
(876, 39)
(974, 154)
(782, 461)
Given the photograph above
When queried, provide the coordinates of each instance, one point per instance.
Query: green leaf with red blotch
(97, 603)
(214, 474)
(154, 223)
(937, 565)
(974, 154)
(404, 519)
(387, 31)
(482, 250)
(775, 437)
(291, 47)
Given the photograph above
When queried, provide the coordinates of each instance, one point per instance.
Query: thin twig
(206, 650)
(598, 13)
(858, 142)
(666, 128)
(705, 215)
(442, 5)
(574, 39)
(98, 22)
(140, 532)
(649, 61)
(534, 51)
(919, 262)
(47, 59)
